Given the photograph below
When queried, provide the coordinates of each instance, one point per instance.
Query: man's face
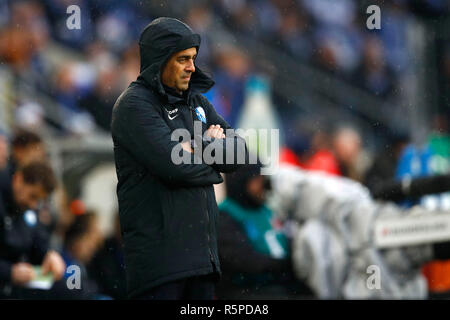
(178, 70)
(256, 189)
(27, 196)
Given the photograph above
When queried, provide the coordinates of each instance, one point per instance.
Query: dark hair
(24, 138)
(41, 173)
(78, 228)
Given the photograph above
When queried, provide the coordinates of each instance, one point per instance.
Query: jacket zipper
(192, 118)
(208, 227)
(191, 109)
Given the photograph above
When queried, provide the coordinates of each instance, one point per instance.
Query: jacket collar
(200, 83)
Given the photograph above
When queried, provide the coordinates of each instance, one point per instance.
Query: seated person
(81, 241)
(23, 240)
(254, 252)
(107, 267)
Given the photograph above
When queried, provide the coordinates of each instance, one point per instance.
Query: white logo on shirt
(171, 112)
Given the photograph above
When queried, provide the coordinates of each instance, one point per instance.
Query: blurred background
(370, 105)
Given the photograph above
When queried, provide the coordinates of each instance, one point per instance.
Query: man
(26, 146)
(168, 211)
(23, 242)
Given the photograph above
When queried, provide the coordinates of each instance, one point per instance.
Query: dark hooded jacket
(168, 212)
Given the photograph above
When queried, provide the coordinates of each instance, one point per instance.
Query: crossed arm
(148, 139)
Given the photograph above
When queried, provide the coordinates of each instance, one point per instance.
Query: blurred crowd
(330, 35)
(103, 58)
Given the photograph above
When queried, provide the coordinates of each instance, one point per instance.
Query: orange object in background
(437, 274)
(289, 157)
(322, 160)
(77, 207)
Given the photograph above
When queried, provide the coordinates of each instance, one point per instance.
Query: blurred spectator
(254, 252)
(294, 36)
(200, 19)
(347, 148)
(81, 241)
(269, 18)
(112, 29)
(67, 94)
(393, 33)
(26, 147)
(320, 157)
(338, 50)
(309, 147)
(25, 34)
(23, 39)
(108, 268)
(374, 74)
(100, 101)
(23, 241)
(227, 95)
(129, 67)
(385, 163)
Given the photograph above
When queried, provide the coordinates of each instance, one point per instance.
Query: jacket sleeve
(40, 244)
(238, 255)
(5, 270)
(143, 132)
(233, 143)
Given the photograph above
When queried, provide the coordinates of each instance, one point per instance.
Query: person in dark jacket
(168, 211)
(107, 267)
(23, 240)
(81, 240)
(26, 146)
(253, 248)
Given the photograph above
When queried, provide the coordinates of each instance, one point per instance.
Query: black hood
(236, 185)
(159, 40)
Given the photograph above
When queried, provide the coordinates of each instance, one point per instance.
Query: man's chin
(183, 86)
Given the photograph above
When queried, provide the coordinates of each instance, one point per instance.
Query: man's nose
(190, 66)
